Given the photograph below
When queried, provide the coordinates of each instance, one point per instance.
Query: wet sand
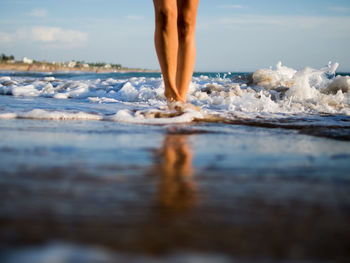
(151, 192)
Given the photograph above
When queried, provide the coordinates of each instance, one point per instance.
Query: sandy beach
(50, 67)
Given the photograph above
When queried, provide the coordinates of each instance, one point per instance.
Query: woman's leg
(187, 13)
(166, 42)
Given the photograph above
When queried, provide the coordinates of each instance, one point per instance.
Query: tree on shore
(103, 64)
(3, 57)
(77, 64)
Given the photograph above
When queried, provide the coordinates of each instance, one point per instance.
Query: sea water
(82, 151)
(280, 93)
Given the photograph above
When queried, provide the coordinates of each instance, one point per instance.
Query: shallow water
(114, 191)
(283, 96)
(93, 176)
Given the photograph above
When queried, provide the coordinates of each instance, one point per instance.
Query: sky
(242, 35)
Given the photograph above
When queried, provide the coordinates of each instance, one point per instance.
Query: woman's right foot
(180, 106)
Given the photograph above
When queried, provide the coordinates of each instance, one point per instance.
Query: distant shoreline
(49, 67)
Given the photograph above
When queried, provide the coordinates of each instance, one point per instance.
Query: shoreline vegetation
(8, 63)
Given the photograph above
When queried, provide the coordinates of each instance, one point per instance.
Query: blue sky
(231, 35)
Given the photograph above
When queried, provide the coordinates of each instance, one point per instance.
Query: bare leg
(187, 12)
(166, 42)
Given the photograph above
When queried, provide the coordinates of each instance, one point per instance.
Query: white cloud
(39, 12)
(232, 6)
(341, 9)
(252, 20)
(5, 37)
(286, 22)
(133, 17)
(53, 36)
(57, 34)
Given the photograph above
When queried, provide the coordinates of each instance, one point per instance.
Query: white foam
(60, 96)
(301, 88)
(4, 79)
(27, 90)
(138, 117)
(49, 79)
(40, 114)
(8, 115)
(128, 93)
(277, 91)
(339, 83)
(305, 88)
(269, 78)
(102, 100)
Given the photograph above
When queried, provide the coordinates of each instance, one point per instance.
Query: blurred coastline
(61, 67)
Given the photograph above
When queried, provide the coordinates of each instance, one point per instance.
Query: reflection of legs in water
(177, 156)
(175, 44)
(176, 188)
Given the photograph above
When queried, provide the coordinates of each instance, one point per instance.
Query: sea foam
(279, 91)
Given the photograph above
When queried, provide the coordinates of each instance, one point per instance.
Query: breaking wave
(267, 95)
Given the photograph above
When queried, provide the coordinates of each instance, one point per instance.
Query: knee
(166, 17)
(186, 27)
